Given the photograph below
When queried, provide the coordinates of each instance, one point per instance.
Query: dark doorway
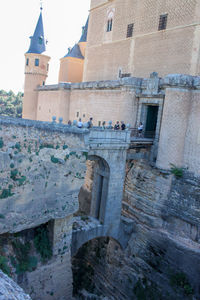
(99, 196)
(151, 121)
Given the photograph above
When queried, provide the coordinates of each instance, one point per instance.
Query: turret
(36, 70)
(71, 65)
(83, 40)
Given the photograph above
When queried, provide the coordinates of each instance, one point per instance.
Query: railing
(144, 134)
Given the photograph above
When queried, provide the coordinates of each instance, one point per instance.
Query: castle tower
(71, 65)
(36, 71)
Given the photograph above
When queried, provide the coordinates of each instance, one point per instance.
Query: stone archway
(93, 193)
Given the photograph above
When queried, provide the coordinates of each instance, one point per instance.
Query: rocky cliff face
(162, 259)
(9, 290)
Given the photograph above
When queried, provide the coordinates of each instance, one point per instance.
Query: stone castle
(128, 205)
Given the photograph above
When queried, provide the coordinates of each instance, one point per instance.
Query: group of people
(118, 126)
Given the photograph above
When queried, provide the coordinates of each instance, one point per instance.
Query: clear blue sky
(63, 21)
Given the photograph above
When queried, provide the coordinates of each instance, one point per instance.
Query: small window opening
(77, 114)
(99, 123)
(163, 22)
(83, 115)
(37, 62)
(130, 30)
(109, 25)
(27, 61)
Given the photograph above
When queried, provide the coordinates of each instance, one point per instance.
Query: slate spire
(38, 43)
(84, 32)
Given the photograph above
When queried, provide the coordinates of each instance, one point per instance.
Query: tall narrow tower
(36, 70)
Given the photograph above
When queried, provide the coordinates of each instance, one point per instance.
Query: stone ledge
(47, 126)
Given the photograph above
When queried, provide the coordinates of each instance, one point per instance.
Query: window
(40, 40)
(99, 123)
(27, 61)
(163, 22)
(130, 30)
(83, 115)
(109, 25)
(47, 67)
(77, 114)
(37, 62)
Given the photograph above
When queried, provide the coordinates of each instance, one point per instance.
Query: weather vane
(41, 5)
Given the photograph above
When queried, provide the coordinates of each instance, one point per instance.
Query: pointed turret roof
(75, 52)
(84, 33)
(37, 44)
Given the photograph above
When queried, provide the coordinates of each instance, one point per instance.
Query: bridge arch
(92, 230)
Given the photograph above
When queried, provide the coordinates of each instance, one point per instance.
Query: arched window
(109, 25)
(110, 21)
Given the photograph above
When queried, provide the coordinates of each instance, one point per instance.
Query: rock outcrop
(162, 259)
(9, 290)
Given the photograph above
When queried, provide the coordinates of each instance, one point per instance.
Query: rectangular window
(109, 25)
(27, 61)
(77, 114)
(37, 62)
(99, 123)
(163, 22)
(130, 30)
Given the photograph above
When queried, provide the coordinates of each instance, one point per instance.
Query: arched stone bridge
(43, 167)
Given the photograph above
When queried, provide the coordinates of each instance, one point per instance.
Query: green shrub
(23, 262)
(180, 280)
(46, 145)
(65, 147)
(13, 174)
(4, 265)
(42, 243)
(54, 159)
(178, 172)
(85, 154)
(18, 146)
(1, 142)
(6, 193)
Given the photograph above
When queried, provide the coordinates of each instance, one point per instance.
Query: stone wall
(174, 50)
(42, 170)
(161, 260)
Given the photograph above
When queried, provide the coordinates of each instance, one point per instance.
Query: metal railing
(144, 134)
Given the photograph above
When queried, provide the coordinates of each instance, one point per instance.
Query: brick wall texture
(174, 50)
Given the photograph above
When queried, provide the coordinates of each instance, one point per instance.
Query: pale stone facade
(175, 49)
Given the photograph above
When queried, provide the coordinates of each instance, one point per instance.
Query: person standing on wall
(90, 124)
(123, 126)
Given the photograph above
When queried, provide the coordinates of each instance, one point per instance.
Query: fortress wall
(174, 50)
(166, 52)
(192, 140)
(53, 103)
(173, 128)
(104, 105)
(34, 188)
(42, 170)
